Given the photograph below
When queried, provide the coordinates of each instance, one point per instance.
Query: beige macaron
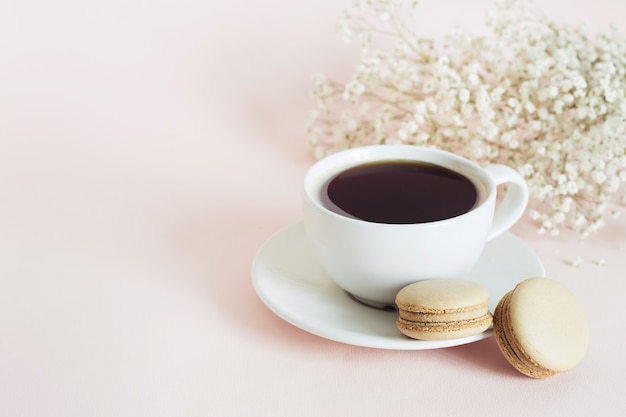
(440, 309)
(541, 328)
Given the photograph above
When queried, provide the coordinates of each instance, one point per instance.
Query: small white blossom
(464, 95)
(572, 187)
(527, 170)
(534, 214)
(558, 106)
(559, 217)
(529, 107)
(473, 79)
(535, 125)
(598, 177)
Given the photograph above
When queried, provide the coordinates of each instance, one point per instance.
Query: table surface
(147, 150)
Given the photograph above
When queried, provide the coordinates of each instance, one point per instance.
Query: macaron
(541, 328)
(441, 309)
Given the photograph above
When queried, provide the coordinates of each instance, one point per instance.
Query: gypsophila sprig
(536, 94)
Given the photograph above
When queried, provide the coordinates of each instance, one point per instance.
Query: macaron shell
(509, 345)
(439, 295)
(549, 323)
(541, 328)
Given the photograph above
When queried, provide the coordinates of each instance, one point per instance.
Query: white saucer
(289, 281)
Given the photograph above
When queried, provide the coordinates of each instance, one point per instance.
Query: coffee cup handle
(514, 202)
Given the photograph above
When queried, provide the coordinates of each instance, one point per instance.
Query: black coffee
(401, 192)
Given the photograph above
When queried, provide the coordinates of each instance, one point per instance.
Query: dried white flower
(536, 94)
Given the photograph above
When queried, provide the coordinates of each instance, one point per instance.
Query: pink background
(147, 150)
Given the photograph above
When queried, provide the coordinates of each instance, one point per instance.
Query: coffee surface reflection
(400, 192)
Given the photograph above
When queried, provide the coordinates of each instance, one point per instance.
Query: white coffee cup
(373, 261)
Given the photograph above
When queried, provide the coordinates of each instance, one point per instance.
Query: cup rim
(363, 154)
